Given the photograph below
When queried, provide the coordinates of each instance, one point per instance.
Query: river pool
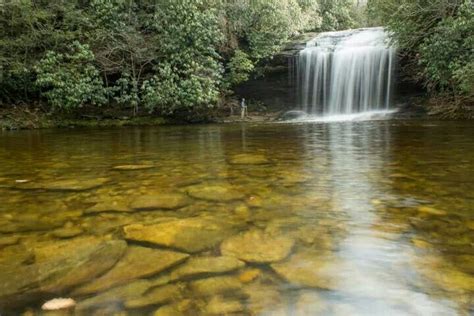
(341, 218)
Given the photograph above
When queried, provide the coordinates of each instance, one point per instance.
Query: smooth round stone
(166, 201)
(132, 167)
(257, 246)
(249, 159)
(215, 192)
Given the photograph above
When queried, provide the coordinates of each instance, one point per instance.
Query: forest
(181, 58)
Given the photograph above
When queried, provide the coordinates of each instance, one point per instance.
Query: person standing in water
(243, 108)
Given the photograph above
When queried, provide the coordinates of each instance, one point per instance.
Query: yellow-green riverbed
(350, 218)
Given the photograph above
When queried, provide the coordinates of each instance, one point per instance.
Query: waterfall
(346, 72)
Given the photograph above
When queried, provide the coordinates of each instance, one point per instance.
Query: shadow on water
(341, 218)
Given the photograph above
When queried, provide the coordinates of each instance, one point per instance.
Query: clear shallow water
(349, 218)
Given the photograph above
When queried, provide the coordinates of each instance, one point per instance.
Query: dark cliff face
(276, 86)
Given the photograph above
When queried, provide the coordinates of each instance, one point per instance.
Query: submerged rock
(196, 266)
(222, 192)
(184, 307)
(310, 303)
(257, 246)
(218, 305)
(108, 206)
(215, 285)
(157, 296)
(115, 296)
(65, 185)
(308, 269)
(8, 241)
(23, 283)
(166, 201)
(249, 159)
(431, 211)
(138, 262)
(188, 234)
(132, 167)
(69, 232)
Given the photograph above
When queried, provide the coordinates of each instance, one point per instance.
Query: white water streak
(346, 72)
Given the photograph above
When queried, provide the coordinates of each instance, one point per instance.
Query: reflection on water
(354, 218)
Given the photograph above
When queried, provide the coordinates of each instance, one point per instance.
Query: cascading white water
(346, 72)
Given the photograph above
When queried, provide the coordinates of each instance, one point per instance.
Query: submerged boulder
(165, 201)
(138, 262)
(310, 269)
(258, 246)
(197, 266)
(249, 159)
(215, 192)
(187, 234)
(64, 184)
(57, 274)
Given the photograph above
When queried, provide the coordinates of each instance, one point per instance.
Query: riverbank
(21, 117)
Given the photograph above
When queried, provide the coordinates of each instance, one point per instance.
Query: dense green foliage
(437, 38)
(165, 56)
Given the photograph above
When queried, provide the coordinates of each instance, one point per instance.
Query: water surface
(342, 218)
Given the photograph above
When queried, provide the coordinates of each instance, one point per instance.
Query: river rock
(65, 185)
(310, 303)
(115, 296)
(431, 210)
(8, 241)
(138, 262)
(218, 305)
(309, 269)
(165, 201)
(132, 167)
(188, 234)
(23, 283)
(69, 232)
(257, 246)
(197, 266)
(249, 159)
(183, 307)
(222, 192)
(108, 206)
(215, 285)
(157, 296)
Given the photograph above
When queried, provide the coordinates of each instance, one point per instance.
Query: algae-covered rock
(219, 305)
(308, 269)
(157, 296)
(215, 285)
(115, 296)
(68, 232)
(257, 246)
(9, 241)
(165, 201)
(132, 167)
(138, 262)
(196, 266)
(64, 184)
(188, 234)
(249, 159)
(217, 192)
(110, 205)
(22, 283)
